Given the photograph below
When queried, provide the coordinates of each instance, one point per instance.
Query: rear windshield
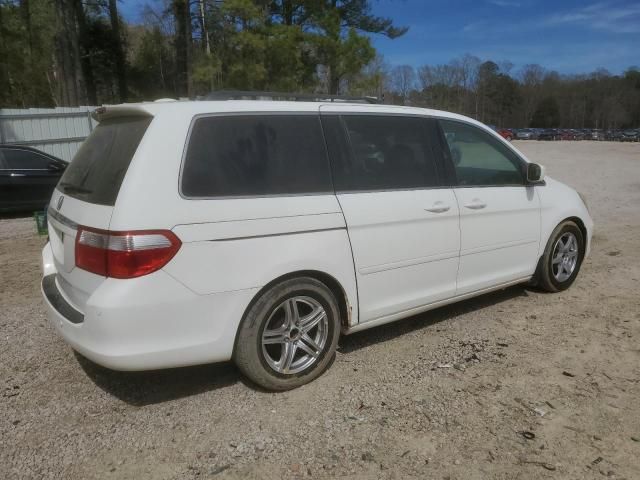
(96, 172)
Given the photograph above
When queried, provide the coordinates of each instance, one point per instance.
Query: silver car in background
(526, 134)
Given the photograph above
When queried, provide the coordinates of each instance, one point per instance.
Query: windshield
(97, 170)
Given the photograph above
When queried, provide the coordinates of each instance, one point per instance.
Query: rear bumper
(146, 323)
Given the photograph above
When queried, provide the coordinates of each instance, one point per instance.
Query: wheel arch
(329, 280)
(583, 229)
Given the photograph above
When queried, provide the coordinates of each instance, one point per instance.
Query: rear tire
(289, 335)
(562, 258)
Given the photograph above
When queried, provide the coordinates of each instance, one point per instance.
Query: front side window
(479, 159)
(16, 159)
(252, 155)
(387, 153)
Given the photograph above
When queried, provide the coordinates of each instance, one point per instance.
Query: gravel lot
(447, 394)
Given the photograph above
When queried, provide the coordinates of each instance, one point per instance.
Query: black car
(613, 135)
(27, 177)
(630, 136)
(550, 134)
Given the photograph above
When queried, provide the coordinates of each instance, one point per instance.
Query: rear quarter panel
(230, 244)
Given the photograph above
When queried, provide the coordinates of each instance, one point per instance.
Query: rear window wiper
(70, 188)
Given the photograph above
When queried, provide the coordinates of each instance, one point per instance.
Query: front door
(403, 225)
(499, 213)
(32, 178)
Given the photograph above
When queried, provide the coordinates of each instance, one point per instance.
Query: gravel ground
(449, 394)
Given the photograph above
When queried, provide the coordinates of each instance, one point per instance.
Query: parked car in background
(550, 134)
(613, 135)
(505, 133)
(197, 232)
(597, 134)
(567, 135)
(587, 133)
(526, 134)
(630, 136)
(27, 177)
(577, 134)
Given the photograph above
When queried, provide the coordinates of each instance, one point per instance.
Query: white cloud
(608, 16)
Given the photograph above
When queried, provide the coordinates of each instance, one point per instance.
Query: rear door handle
(476, 204)
(438, 207)
(18, 175)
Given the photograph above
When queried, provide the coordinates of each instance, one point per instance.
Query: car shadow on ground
(158, 386)
(389, 331)
(154, 387)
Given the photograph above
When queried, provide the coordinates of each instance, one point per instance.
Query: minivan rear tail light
(124, 254)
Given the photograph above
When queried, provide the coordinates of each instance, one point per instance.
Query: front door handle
(438, 207)
(476, 204)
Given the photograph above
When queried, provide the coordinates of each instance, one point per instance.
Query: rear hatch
(86, 195)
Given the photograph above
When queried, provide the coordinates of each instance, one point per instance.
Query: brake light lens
(124, 254)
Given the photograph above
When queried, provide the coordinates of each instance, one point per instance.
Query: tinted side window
(24, 159)
(256, 155)
(387, 152)
(479, 159)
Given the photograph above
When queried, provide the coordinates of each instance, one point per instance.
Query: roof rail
(298, 97)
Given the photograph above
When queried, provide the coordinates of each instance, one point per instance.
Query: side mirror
(535, 173)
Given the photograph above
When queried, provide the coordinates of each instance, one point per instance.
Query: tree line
(531, 96)
(70, 52)
(83, 52)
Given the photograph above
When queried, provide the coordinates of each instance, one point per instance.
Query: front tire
(289, 335)
(562, 258)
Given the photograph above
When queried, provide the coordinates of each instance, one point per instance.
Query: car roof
(203, 107)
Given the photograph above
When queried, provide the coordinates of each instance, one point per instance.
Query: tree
(118, 50)
(372, 80)
(182, 16)
(338, 44)
(85, 45)
(68, 69)
(403, 81)
(71, 52)
(547, 114)
(531, 77)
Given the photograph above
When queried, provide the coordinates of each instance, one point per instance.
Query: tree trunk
(334, 81)
(287, 12)
(84, 55)
(67, 54)
(25, 11)
(121, 68)
(203, 28)
(183, 33)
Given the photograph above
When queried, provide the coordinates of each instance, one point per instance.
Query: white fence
(58, 131)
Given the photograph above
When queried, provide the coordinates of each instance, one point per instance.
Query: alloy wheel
(295, 335)
(565, 257)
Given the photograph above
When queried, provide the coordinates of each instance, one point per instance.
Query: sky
(569, 36)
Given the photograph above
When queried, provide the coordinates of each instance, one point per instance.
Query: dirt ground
(450, 394)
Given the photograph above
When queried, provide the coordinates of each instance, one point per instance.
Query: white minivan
(255, 231)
